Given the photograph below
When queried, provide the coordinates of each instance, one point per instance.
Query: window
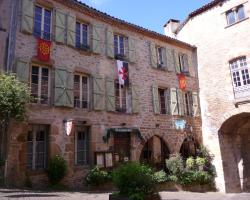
(42, 23)
(240, 76)
(163, 101)
(37, 153)
(40, 84)
(82, 145)
(82, 36)
(120, 45)
(159, 53)
(81, 91)
(235, 15)
(121, 94)
(183, 63)
(188, 103)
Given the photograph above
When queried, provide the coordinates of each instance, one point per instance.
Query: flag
(122, 70)
(68, 127)
(43, 50)
(182, 81)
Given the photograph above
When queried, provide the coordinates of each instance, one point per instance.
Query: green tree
(13, 98)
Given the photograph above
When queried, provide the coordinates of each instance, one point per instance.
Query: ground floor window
(82, 142)
(37, 148)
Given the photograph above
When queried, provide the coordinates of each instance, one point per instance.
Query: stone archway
(234, 138)
(189, 147)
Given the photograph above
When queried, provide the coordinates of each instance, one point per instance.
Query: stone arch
(189, 146)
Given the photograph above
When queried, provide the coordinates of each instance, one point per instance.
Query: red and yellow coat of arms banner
(43, 50)
(182, 81)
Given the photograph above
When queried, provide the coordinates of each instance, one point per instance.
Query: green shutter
(132, 49)
(71, 30)
(173, 101)
(96, 38)
(180, 102)
(135, 99)
(110, 43)
(27, 16)
(196, 108)
(60, 26)
(153, 56)
(63, 88)
(177, 62)
(170, 60)
(22, 70)
(185, 63)
(191, 66)
(110, 95)
(156, 103)
(164, 58)
(98, 93)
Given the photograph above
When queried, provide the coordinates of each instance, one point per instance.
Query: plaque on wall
(109, 159)
(100, 160)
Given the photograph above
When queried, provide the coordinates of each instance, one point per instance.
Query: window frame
(235, 12)
(40, 67)
(42, 22)
(188, 103)
(83, 46)
(127, 93)
(125, 45)
(166, 100)
(81, 92)
(159, 55)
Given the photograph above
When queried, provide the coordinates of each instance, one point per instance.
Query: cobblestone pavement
(12, 194)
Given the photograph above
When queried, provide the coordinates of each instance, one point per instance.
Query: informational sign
(109, 159)
(100, 160)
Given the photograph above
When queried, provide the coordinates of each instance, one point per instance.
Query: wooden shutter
(170, 60)
(98, 93)
(135, 99)
(63, 88)
(156, 103)
(177, 62)
(27, 23)
(192, 66)
(196, 108)
(96, 38)
(180, 102)
(153, 55)
(110, 95)
(185, 63)
(110, 43)
(164, 58)
(60, 26)
(173, 101)
(132, 49)
(22, 70)
(71, 30)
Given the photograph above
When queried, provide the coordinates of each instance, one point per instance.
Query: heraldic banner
(122, 70)
(43, 50)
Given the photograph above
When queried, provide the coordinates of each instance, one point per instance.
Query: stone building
(145, 119)
(219, 30)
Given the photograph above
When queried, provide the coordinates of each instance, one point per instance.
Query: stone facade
(217, 45)
(100, 120)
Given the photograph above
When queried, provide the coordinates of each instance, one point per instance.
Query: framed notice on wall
(104, 159)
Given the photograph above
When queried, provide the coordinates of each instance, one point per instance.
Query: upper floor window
(120, 45)
(163, 100)
(81, 91)
(37, 148)
(240, 76)
(183, 63)
(42, 23)
(159, 54)
(40, 84)
(82, 36)
(188, 103)
(235, 15)
(121, 97)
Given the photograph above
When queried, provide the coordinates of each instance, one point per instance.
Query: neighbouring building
(70, 55)
(219, 30)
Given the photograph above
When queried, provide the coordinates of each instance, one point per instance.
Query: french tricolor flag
(122, 70)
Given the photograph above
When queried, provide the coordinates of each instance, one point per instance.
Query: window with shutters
(164, 100)
(42, 23)
(82, 142)
(183, 63)
(40, 84)
(159, 54)
(235, 15)
(37, 147)
(82, 36)
(122, 98)
(120, 46)
(240, 77)
(81, 91)
(188, 102)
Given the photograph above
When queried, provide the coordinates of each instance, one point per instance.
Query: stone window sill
(237, 22)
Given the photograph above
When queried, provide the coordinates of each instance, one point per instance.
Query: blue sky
(151, 14)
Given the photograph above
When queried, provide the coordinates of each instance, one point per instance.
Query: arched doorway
(234, 138)
(189, 147)
(154, 152)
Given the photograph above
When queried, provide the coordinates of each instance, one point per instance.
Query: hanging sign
(43, 50)
(182, 81)
(122, 70)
